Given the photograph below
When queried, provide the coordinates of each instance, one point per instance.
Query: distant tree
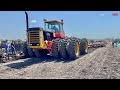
(19, 40)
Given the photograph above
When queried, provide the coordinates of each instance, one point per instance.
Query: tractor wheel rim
(77, 49)
(86, 47)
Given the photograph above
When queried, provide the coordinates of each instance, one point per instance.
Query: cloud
(33, 21)
(101, 14)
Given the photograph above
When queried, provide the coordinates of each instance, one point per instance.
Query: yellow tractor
(51, 40)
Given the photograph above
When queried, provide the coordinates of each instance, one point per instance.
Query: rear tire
(63, 51)
(73, 49)
(84, 47)
(55, 49)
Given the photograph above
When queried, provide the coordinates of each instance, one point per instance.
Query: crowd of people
(12, 47)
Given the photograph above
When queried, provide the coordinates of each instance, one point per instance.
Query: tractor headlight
(37, 44)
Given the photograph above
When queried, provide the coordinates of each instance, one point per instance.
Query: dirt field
(102, 63)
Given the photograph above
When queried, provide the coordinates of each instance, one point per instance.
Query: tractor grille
(34, 38)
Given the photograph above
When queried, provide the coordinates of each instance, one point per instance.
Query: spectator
(16, 46)
(113, 43)
(13, 49)
(118, 45)
(6, 46)
(116, 41)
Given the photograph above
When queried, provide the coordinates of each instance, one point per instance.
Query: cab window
(55, 26)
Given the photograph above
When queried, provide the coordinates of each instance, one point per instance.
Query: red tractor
(52, 40)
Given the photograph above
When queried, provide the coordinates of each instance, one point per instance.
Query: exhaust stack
(27, 26)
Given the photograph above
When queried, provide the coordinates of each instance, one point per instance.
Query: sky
(82, 24)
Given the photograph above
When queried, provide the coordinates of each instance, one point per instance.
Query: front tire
(37, 53)
(25, 50)
(31, 53)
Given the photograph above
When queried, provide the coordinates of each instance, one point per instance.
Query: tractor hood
(40, 28)
(35, 28)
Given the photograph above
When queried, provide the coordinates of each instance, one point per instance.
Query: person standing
(118, 45)
(6, 47)
(113, 43)
(13, 49)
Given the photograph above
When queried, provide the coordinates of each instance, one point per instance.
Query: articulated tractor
(52, 40)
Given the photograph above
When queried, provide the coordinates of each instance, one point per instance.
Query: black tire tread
(55, 52)
(83, 47)
(31, 53)
(71, 49)
(63, 51)
(25, 50)
(37, 53)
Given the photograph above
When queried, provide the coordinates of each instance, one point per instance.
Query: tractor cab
(56, 27)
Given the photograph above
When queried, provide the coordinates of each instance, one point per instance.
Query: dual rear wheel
(69, 49)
